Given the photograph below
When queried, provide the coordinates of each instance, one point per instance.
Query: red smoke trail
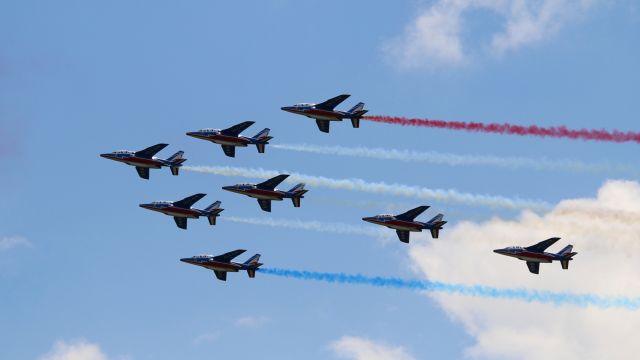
(532, 130)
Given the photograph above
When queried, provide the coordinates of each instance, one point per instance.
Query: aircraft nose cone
(286, 108)
(191, 133)
(185, 260)
(145, 206)
(499, 251)
(367, 218)
(228, 188)
(106, 155)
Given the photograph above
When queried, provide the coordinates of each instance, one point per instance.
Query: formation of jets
(266, 192)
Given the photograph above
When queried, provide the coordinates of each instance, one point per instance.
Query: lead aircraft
(144, 159)
(535, 254)
(231, 138)
(181, 210)
(405, 222)
(266, 191)
(324, 112)
(222, 264)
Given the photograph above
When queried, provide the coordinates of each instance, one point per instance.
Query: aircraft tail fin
(566, 255)
(435, 225)
(356, 113)
(213, 211)
(252, 265)
(296, 193)
(175, 161)
(261, 139)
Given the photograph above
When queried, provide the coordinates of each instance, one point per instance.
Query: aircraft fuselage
(397, 224)
(221, 139)
(257, 193)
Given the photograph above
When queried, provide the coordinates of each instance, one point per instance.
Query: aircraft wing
(412, 214)
(323, 125)
(143, 172)
(332, 103)
(542, 245)
(221, 275)
(235, 130)
(403, 235)
(227, 257)
(265, 204)
(188, 201)
(181, 222)
(534, 267)
(272, 183)
(150, 151)
(229, 150)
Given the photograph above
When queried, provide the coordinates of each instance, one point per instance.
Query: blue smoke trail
(541, 296)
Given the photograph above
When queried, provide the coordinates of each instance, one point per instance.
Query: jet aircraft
(144, 159)
(181, 210)
(324, 112)
(404, 223)
(222, 264)
(230, 138)
(266, 191)
(535, 254)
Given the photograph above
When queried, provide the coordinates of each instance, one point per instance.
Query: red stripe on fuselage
(228, 140)
(142, 162)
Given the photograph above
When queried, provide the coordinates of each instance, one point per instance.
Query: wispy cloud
(323, 227)
(9, 242)
(206, 338)
(435, 36)
(252, 321)
(76, 350)
(359, 348)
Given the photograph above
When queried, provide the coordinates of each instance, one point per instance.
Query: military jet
(404, 223)
(230, 138)
(266, 191)
(181, 210)
(144, 160)
(324, 112)
(222, 264)
(535, 254)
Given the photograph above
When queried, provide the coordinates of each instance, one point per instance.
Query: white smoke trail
(323, 227)
(440, 158)
(360, 185)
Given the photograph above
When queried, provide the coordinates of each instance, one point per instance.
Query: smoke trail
(335, 228)
(511, 129)
(439, 158)
(450, 195)
(541, 296)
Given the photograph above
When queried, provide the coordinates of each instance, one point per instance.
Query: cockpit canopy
(161, 203)
(384, 216)
(123, 152)
(208, 130)
(514, 248)
(302, 105)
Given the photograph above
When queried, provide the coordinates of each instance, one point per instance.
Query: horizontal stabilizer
(175, 170)
(435, 232)
(565, 263)
(261, 147)
(212, 219)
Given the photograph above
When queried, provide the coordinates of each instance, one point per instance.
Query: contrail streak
(540, 296)
(440, 158)
(512, 129)
(323, 227)
(360, 185)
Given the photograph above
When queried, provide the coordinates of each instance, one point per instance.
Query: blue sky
(81, 78)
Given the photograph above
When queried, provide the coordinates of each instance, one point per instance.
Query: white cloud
(605, 232)
(9, 242)
(206, 338)
(77, 350)
(252, 321)
(357, 348)
(434, 37)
